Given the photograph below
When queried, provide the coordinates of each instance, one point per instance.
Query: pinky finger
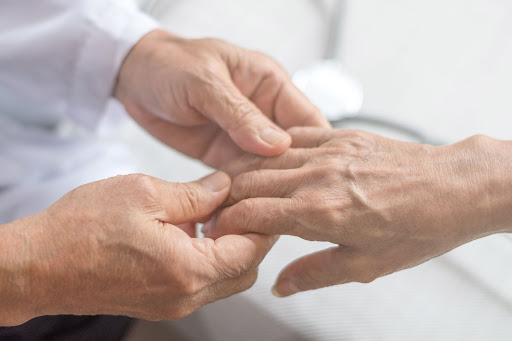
(329, 267)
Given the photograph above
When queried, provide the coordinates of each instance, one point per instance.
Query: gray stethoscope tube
(339, 95)
(149, 5)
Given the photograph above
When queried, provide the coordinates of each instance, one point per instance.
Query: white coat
(58, 64)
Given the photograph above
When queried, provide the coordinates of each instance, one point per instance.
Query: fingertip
(216, 182)
(275, 137)
(209, 226)
(268, 141)
(285, 287)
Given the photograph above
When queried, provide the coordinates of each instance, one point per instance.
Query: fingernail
(216, 182)
(284, 287)
(208, 226)
(273, 136)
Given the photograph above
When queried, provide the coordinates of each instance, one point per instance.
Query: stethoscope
(338, 94)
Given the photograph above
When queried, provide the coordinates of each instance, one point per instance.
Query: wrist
(134, 69)
(489, 163)
(500, 184)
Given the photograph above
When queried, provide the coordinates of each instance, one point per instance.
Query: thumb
(193, 201)
(329, 267)
(247, 126)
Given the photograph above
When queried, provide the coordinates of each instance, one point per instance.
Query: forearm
(16, 285)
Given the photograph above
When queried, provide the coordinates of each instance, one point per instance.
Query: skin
(127, 245)
(224, 101)
(388, 205)
(114, 247)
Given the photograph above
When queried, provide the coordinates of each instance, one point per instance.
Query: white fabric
(37, 166)
(60, 58)
(58, 64)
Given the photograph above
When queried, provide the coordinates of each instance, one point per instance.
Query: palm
(206, 142)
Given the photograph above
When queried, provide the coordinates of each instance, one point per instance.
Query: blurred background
(440, 67)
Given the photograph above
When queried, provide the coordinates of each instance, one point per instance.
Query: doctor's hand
(211, 100)
(387, 204)
(114, 247)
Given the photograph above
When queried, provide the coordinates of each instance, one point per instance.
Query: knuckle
(330, 211)
(241, 187)
(478, 140)
(190, 199)
(186, 286)
(141, 182)
(333, 167)
(354, 141)
(249, 281)
(183, 282)
(245, 183)
(243, 116)
(244, 213)
(210, 70)
(231, 269)
(366, 277)
(180, 312)
(274, 75)
(143, 188)
(328, 171)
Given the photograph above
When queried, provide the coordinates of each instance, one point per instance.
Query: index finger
(269, 216)
(293, 109)
(267, 84)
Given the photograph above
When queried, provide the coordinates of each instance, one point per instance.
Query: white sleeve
(60, 58)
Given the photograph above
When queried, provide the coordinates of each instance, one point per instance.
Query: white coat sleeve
(61, 58)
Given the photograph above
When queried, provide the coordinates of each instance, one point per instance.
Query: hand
(388, 204)
(113, 247)
(211, 100)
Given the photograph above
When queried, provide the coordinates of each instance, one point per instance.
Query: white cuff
(113, 28)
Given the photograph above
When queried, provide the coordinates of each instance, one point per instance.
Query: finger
(290, 159)
(189, 228)
(269, 86)
(262, 183)
(227, 287)
(307, 137)
(293, 109)
(270, 216)
(239, 254)
(193, 201)
(249, 128)
(333, 266)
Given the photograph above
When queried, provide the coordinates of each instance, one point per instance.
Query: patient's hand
(212, 100)
(389, 205)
